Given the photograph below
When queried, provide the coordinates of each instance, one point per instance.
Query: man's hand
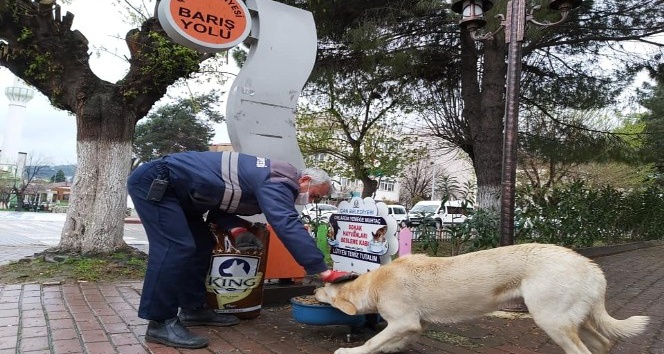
(245, 240)
(336, 276)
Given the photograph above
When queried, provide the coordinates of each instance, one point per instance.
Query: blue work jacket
(228, 184)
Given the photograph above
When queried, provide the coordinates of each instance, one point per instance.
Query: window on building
(386, 185)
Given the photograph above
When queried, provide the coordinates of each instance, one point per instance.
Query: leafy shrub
(576, 216)
(426, 234)
(571, 215)
(478, 232)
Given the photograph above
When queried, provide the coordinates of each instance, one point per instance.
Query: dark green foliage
(421, 38)
(576, 216)
(559, 142)
(478, 232)
(653, 135)
(427, 235)
(396, 38)
(185, 125)
(571, 215)
(583, 63)
(59, 177)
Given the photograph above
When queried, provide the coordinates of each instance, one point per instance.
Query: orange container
(280, 264)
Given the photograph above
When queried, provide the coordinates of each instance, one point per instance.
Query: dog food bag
(235, 278)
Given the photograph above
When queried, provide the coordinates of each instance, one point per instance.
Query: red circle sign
(205, 25)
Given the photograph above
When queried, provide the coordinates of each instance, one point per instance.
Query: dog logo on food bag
(233, 277)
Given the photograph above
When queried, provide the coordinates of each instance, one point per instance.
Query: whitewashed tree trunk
(488, 197)
(95, 217)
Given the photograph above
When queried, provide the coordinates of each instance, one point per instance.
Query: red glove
(337, 276)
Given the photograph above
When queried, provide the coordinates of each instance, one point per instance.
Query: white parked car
(454, 211)
(399, 213)
(318, 211)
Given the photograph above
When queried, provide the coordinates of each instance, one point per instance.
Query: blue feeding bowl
(306, 310)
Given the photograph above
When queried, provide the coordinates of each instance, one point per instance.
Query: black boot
(206, 317)
(173, 334)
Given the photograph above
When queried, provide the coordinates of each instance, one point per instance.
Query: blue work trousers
(180, 247)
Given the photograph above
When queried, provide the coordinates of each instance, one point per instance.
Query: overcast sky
(49, 133)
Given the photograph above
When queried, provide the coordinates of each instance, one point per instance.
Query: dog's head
(333, 294)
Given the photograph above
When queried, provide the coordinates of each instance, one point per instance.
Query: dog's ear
(344, 305)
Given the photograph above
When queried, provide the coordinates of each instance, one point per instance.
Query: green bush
(480, 231)
(427, 237)
(572, 215)
(576, 216)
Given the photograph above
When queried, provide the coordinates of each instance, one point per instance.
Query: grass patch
(46, 267)
(451, 338)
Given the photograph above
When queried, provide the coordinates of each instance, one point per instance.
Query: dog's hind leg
(563, 333)
(558, 312)
(394, 337)
(597, 343)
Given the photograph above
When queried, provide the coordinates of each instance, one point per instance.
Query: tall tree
(653, 120)
(415, 183)
(59, 176)
(354, 123)
(9, 178)
(185, 125)
(556, 149)
(560, 64)
(29, 178)
(41, 48)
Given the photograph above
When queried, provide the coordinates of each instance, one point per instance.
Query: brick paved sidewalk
(99, 318)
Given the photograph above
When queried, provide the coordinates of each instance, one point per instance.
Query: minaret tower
(19, 95)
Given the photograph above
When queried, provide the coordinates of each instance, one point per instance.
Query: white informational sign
(361, 235)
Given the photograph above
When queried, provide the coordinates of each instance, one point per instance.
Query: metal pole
(514, 31)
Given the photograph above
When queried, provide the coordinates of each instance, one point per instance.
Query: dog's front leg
(391, 339)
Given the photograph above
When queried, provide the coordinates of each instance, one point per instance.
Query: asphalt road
(25, 233)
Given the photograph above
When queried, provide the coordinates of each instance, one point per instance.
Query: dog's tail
(617, 329)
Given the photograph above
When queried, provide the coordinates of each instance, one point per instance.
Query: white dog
(564, 292)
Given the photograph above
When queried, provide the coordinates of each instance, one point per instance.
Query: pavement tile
(8, 331)
(66, 333)
(34, 343)
(67, 346)
(131, 349)
(100, 347)
(29, 332)
(119, 339)
(8, 342)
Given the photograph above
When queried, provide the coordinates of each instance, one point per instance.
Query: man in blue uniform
(172, 194)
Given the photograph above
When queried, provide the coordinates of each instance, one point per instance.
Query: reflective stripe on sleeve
(232, 191)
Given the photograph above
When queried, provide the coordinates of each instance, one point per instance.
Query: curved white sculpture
(261, 104)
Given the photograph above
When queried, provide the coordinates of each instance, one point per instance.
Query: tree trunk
(369, 187)
(95, 216)
(19, 200)
(484, 106)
